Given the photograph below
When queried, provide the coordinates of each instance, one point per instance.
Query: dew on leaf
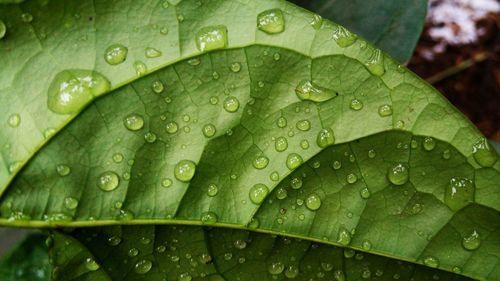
(71, 90)
(398, 174)
(356, 104)
(472, 241)
(303, 125)
(325, 138)
(459, 193)
(313, 202)
(63, 170)
(483, 153)
(385, 110)
(429, 143)
(114, 240)
(108, 181)
(258, 193)
(296, 183)
(260, 162)
(209, 218)
(14, 120)
(171, 127)
(212, 38)
(281, 193)
(291, 272)
(115, 54)
(336, 165)
(152, 53)
(271, 21)
(352, 178)
(133, 122)
(185, 277)
(235, 67)
(143, 266)
(91, 264)
(70, 203)
(275, 268)
(3, 29)
(140, 68)
(307, 90)
(212, 190)
(365, 193)
(431, 261)
(209, 130)
(281, 144)
(316, 22)
(133, 252)
(343, 236)
(293, 161)
(166, 182)
(158, 87)
(343, 37)
(184, 170)
(240, 244)
(231, 104)
(375, 63)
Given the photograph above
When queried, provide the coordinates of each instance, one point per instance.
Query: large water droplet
(306, 90)
(344, 37)
(209, 130)
(211, 38)
(258, 193)
(70, 203)
(291, 272)
(152, 52)
(184, 170)
(231, 104)
(375, 63)
(356, 104)
(281, 144)
(260, 162)
(385, 110)
(325, 138)
(115, 54)
(293, 161)
(343, 236)
(316, 22)
(429, 143)
(3, 29)
(281, 193)
(209, 218)
(212, 190)
(140, 68)
(431, 261)
(281, 122)
(483, 153)
(472, 241)
(14, 120)
(313, 202)
(157, 87)
(296, 183)
(171, 127)
(72, 89)
(63, 170)
(398, 174)
(303, 125)
(133, 122)
(108, 181)
(275, 268)
(459, 193)
(143, 266)
(271, 21)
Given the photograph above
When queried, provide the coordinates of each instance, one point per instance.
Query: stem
(457, 68)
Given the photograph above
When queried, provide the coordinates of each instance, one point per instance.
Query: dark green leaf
(27, 262)
(393, 26)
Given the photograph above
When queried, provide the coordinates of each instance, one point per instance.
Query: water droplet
(429, 143)
(72, 89)
(483, 153)
(171, 127)
(281, 122)
(235, 67)
(140, 68)
(114, 240)
(143, 266)
(26, 17)
(212, 190)
(194, 61)
(240, 244)
(115, 54)
(108, 181)
(365, 193)
(336, 165)
(158, 87)
(400, 124)
(352, 178)
(431, 261)
(211, 38)
(281, 193)
(184, 170)
(366, 245)
(133, 252)
(258, 193)
(291, 272)
(313, 202)
(356, 104)
(344, 37)
(306, 90)
(231, 104)
(375, 63)
(371, 153)
(260, 162)
(472, 241)
(276, 268)
(325, 138)
(303, 125)
(276, 56)
(152, 53)
(274, 176)
(117, 157)
(293, 161)
(343, 236)
(398, 174)
(316, 22)
(150, 137)
(14, 120)
(63, 170)
(166, 182)
(281, 144)
(459, 193)
(70, 203)
(296, 183)
(133, 122)
(385, 110)
(91, 264)
(209, 130)
(271, 21)
(3, 29)
(185, 277)
(446, 154)
(209, 218)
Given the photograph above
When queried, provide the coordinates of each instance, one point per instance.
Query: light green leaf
(393, 26)
(195, 253)
(29, 261)
(298, 131)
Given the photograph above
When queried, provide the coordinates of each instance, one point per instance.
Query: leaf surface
(240, 117)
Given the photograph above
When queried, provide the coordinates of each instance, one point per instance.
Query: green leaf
(29, 261)
(195, 253)
(299, 131)
(393, 26)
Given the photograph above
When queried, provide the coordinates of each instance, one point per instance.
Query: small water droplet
(133, 122)
(343, 37)
(70, 203)
(143, 266)
(211, 38)
(235, 67)
(260, 162)
(336, 165)
(366, 245)
(115, 54)
(171, 127)
(114, 240)
(152, 52)
(140, 68)
(14, 120)
(446, 154)
(459, 193)
(26, 17)
(185, 277)
(231, 104)
(371, 153)
(385, 110)
(108, 181)
(258, 193)
(431, 261)
(133, 252)
(429, 143)
(472, 241)
(166, 182)
(303, 125)
(343, 236)
(291, 272)
(400, 124)
(275, 268)
(281, 144)
(307, 90)
(293, 161)
(484, 155)
(313, 202)
(209, 130)
(72, 89)
(296, 183)
(209, 218)
(398, 174)
(281, 193)
(325, 138)
(91, 264)
(63, 170)
(352, 178)
(271, 21)
(157, 87)
(375, 63)
(212, 190)
(150, 137)
(356, 104)
(365, 193)
(274, 176)
(316, 22)
(184, 170)
(3, 29)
